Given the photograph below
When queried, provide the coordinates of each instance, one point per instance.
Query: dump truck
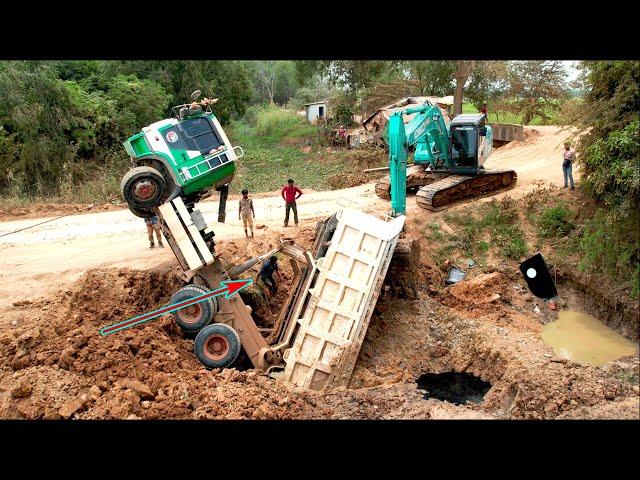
(318, 334)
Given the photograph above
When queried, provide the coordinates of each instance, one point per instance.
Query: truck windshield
(199, 134)
(464, 146)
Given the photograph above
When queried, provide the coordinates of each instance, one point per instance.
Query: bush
(555, 222)
(611, 245)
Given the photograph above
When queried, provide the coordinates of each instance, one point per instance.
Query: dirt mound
(531, 136)
(54, 363)
(64, 368)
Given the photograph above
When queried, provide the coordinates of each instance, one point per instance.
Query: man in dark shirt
(269, 268)
(290, 194)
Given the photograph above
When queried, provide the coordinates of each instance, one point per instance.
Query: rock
(95, 392)
(20, 360)
(70, 407)
(133, 417)
(29, 339)
(260, 226)
(67, 356)
(139, 388)
(22, 390)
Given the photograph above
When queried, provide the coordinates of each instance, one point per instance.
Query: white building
(315, 110)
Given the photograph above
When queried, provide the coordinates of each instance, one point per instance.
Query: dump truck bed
(341, 301)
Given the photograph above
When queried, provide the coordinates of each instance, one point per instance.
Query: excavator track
(416, 177)
(452, 188)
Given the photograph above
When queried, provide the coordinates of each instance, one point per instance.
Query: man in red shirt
(483, 110)
(290, 193)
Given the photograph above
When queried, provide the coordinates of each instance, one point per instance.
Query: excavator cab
(468, 145)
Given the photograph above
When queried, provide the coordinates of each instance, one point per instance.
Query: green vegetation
(552, 117)
(555, 222)
(609, 158)
(495, 223)
(278, 145)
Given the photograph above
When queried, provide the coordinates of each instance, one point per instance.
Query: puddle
(582, 338)
(454, 387)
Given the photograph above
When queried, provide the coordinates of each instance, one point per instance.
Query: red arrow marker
(228, 289)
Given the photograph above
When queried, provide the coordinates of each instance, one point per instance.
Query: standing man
(246, 212)
(290, 193)
(568, 156)
(153, 224)
(269, 268)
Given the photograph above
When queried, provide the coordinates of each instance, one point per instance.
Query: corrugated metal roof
(314, 103)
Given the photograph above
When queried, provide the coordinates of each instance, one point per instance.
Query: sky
(572, 71)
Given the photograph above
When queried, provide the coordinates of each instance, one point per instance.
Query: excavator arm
(428, 132)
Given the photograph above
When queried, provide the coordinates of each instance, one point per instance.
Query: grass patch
(279, 144)
(555, 222)
(494, 224)
(508, 117)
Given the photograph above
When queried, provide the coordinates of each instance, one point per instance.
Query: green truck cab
(187, 155)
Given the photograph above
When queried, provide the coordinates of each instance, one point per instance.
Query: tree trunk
(463, 70)
(457, 97)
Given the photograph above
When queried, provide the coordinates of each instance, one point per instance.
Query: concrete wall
(313, 111)
(507, 132)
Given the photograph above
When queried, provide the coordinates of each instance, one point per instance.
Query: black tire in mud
(217, 346)
(143, 187)
(194, 318)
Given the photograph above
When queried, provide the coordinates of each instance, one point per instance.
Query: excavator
(448, 160)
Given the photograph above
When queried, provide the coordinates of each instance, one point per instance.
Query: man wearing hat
(246, 212)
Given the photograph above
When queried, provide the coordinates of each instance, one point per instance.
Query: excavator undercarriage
(436, 190)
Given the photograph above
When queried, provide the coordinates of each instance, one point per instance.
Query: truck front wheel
(143, 187)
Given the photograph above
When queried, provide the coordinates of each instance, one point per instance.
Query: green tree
(433, 77)
(489, 82)
(536, 88)
(609, 159)
(37, 117)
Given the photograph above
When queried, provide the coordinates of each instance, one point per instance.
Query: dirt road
(46, 258)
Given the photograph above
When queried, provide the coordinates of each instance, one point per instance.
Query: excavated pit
(455, 387)
(56, 365)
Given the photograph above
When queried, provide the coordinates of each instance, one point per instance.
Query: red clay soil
(56, 365)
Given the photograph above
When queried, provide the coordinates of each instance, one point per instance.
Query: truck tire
(139, 212)
(194, 318)
(217, 346)
(143, 187)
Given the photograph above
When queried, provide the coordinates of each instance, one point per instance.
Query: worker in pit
(153, 225)
(268, 270)
(246, 212)
(568, 156)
